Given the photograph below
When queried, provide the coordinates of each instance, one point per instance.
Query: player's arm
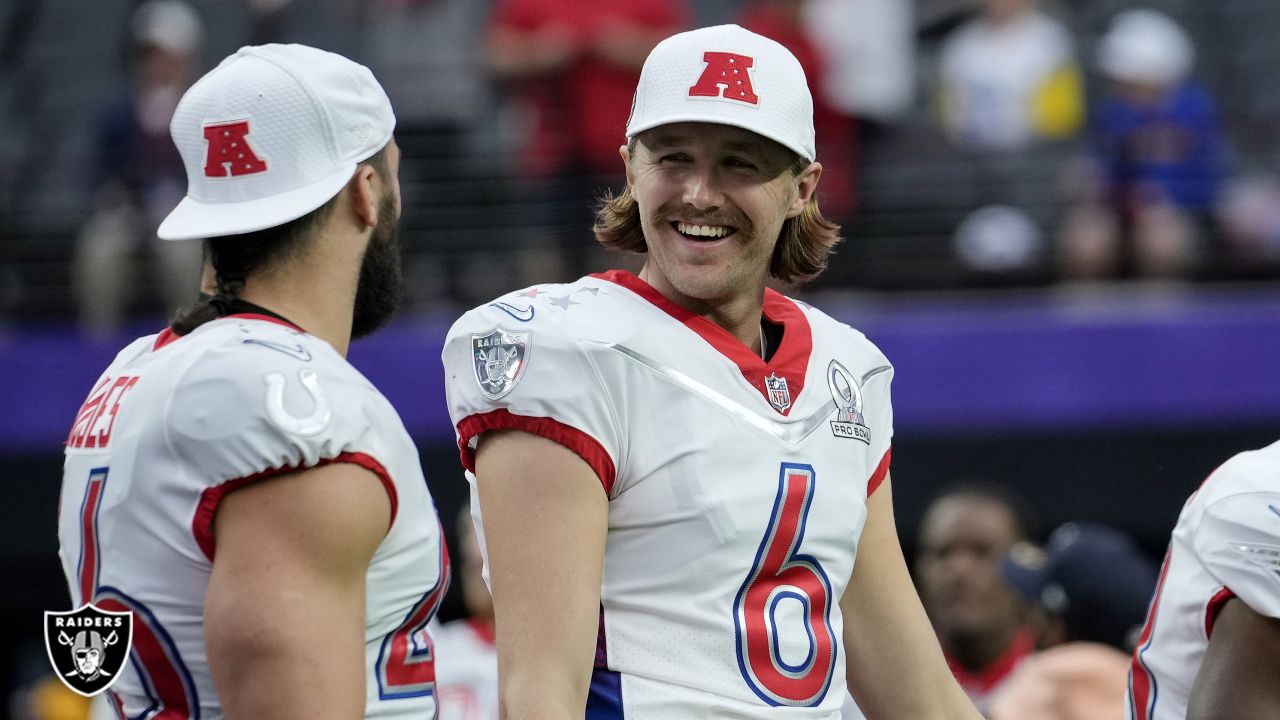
(285, 609)
(545, 519)
(894, 666)
(1240, 675)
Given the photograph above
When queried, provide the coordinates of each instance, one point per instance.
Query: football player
(233, 481)
(674, 472)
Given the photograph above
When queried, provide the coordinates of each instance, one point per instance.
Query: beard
(381, 285)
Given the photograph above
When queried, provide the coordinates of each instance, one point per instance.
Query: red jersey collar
(790, 360)
(985, 679)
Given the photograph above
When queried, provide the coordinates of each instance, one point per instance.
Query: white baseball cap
(1146, 46)
(730, 76)
(272, 133)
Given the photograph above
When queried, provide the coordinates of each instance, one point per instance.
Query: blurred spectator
(982, 623)
(429, 56)
(572, 67)
(1009, 78)
(1092, 581)
(783, 21)
(868, 52)
(48, 698)
(1160, 159)
(1248, 212)
(467, 664)
(1092, 585)
(999, 241)
(138, 177)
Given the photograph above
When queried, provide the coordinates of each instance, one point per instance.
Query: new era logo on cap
(730, 76)
(229, 152)
(727, 76)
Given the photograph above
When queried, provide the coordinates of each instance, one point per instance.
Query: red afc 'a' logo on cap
(229, 152)
(727, 71)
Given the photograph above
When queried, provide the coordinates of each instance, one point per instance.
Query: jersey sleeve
(247, 411)
(533, 375)
(1238, 540)
(879, 417)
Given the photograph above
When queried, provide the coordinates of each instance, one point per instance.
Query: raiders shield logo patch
(88, 646)
(499, 358)
(849, 422)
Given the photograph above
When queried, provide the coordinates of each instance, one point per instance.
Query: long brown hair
(804, 242)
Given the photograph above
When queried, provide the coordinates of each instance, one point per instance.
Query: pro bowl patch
(499, 358)
(849, 422)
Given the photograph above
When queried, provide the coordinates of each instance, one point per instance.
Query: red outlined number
(154, 656)
(406, 662)
(89, 553)
(781, 572)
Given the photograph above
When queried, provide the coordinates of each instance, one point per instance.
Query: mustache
(680, 213)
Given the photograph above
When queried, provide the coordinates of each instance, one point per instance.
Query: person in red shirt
(983, 624)
(783, 21)
(572, 68)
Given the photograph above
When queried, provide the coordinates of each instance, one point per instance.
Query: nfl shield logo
(88, 646)
(499, 358)
(779, 395)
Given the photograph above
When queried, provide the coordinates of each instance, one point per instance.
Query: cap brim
(193, 219)
(672, 119)
(1026, 580)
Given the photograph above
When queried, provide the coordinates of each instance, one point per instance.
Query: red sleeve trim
(882, 471)
(165, 337)
(1214, 607)
(585, 446)
(202, 523)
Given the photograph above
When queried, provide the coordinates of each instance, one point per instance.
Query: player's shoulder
(1252, 471)
(233, 370)
(242, 349)
(589, 309)
(830, 334)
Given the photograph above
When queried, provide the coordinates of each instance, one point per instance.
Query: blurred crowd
(964, 142)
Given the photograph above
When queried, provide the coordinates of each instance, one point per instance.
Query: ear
(364, 188)
(626, 163)
(806, 185)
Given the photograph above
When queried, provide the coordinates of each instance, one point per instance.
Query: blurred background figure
(1091, 585)
(137, 177)
(1009, 78)
(983, 624)
(1159, 153)
(784, 21)
(570, 69)
(467, 660)
(1011, 99)
(429, 55)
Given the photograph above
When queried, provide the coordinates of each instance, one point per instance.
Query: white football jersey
(1226, 544)
(172, 426)
(737, 487)
(467, 671)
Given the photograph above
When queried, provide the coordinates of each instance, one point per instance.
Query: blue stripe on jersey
(604, 698)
